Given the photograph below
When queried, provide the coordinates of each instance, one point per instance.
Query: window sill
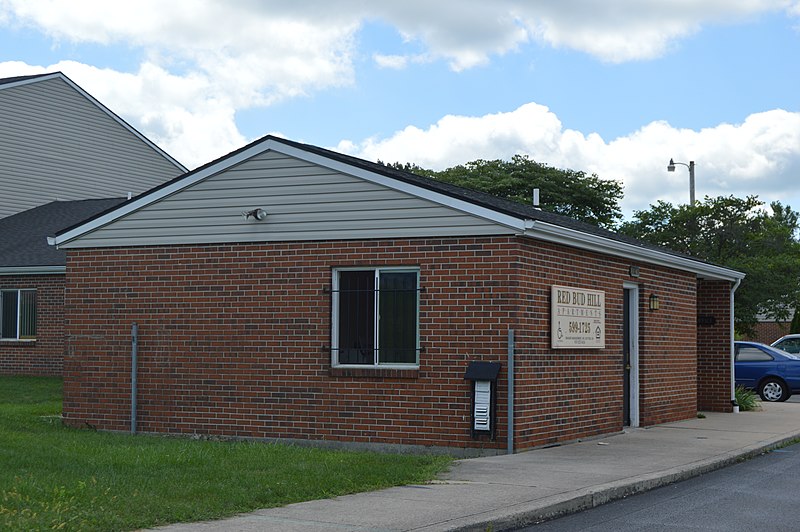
(375, 372)
(14, 341)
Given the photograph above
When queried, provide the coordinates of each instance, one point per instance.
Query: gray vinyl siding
(55, 144)
(303, 201)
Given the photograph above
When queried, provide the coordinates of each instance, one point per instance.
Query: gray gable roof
(529, 220)
(23, 236)
(483, 199)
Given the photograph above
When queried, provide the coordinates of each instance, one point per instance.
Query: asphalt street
(754, 495)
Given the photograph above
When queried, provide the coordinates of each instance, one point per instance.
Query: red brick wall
(44, 356)
(714, 346)
(667, 344)
(234, 341)
(768, 331)
(567, 394)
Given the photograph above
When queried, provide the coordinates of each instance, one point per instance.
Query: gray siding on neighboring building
(304, 201)
(57, 144)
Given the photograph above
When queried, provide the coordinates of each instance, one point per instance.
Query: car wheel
(773, 390)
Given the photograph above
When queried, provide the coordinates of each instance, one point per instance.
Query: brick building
(286, 291)
(32, 285)
(59, 145)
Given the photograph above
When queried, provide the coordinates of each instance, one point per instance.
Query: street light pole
(690, 166)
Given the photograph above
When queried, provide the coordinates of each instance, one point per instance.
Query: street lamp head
(671, 166)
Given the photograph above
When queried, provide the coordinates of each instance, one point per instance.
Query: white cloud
(202, 61)
(300, 45)
(254, 52)
(396, 62)
(179, 113)
(760, 156)
(467, 33)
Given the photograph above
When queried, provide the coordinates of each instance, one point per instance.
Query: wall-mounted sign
(577, 318)
(706, 320)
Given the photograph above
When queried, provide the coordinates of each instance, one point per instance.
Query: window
(375, 317)
(791, 345)
(17, 314)
(751, 354)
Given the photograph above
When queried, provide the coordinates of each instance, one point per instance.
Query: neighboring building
(58, 143)
(32, 285)
(767, 330)
(287, 291)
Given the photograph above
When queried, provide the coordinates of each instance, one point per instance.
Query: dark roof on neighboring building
(14, 79)
(23, 236)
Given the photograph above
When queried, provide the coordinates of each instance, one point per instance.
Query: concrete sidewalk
(504, 492)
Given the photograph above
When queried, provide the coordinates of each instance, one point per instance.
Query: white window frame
(4, 293)
(376, 320)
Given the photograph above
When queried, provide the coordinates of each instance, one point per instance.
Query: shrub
(746, 399)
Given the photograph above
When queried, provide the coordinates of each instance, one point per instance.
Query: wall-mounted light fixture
(256, 214)
(655, 304)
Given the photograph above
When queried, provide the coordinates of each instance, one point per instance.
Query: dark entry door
(626, 358)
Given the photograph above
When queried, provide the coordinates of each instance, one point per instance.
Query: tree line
(743, 234)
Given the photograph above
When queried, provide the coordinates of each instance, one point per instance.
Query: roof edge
(589, 242)
(33, 270)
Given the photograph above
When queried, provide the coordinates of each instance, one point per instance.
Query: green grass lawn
(53, 477)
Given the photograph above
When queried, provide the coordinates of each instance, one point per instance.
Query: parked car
(789, 343)
(772, 372)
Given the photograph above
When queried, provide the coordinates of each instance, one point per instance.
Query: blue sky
(615, 88)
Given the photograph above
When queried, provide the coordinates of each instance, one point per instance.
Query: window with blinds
(17, 314)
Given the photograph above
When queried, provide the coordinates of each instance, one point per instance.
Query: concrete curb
(580, 500)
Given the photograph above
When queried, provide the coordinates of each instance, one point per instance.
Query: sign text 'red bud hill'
(577, 318)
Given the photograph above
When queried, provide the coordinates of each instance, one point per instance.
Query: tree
(794, 327)
(739, 234)
(572, 193)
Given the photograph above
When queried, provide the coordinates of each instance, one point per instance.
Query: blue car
(772, 372)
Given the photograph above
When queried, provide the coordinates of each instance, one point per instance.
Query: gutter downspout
(733, 365)
(510, 391)
(134, 384)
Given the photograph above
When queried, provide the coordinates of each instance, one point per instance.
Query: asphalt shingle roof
(13, 79)
(23, 236)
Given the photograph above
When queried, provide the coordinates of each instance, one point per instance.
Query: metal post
(134, 384)
(510, 391)
(691, 183)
